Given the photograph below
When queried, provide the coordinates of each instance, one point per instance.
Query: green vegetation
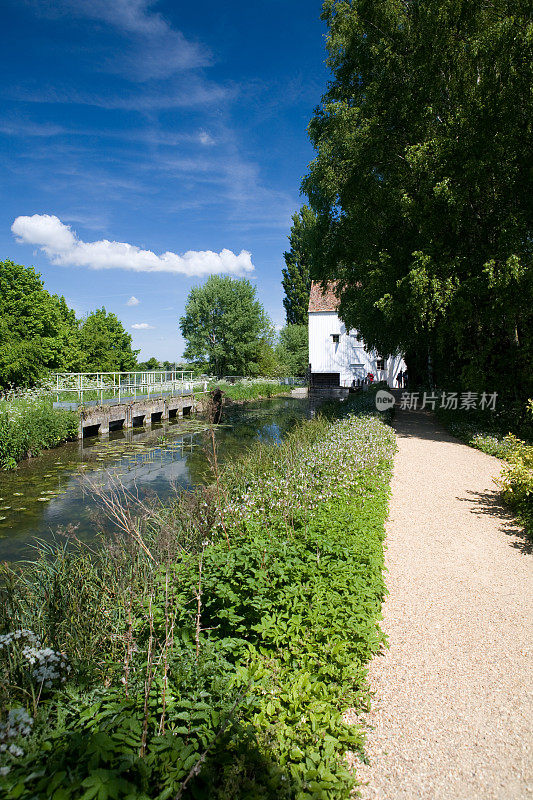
(250, 390)
(226, 329)
(104, 344)
(29, 424)
(297, 271)
(292, 350)
(211, 649)
(39, 333)
(422, 186)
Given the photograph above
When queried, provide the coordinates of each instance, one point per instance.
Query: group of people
(401, 379)
(359, 382)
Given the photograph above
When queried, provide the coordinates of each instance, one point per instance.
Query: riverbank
(212, 650)
(29, 424)
(242, 391)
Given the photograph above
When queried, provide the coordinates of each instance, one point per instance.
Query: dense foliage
(293, 349)
(39, 333)
(211, 650)
(250, 389)
(226, 329)
(422, 185)
(104, 344)
(29, 424)
(296, 280)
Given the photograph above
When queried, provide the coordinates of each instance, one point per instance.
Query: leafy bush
(516, 481)
(29, 424)
(215, 644)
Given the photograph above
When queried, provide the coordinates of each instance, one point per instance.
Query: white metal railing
(120, 386)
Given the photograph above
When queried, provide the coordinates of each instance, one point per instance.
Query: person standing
(399, 379)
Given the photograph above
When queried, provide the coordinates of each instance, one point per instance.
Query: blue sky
(145, 145)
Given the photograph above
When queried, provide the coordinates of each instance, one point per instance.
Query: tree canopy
(226, 328)
(39, 333)
(422, 185)
(297, 272)
(293, 349)
(105, 344)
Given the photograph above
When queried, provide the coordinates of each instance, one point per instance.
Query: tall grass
(250, 390)
(29, 424)
(213, 644)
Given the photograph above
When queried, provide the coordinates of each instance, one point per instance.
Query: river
(49, 494)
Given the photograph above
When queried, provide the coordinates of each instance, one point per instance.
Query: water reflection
(48, 493)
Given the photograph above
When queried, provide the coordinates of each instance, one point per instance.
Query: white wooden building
(336, 356)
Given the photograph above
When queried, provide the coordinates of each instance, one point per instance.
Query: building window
(380, 363)
(336, 338)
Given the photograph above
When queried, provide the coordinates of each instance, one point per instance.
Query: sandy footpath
(453, 712)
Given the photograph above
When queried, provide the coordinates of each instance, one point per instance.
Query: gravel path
(452, 713)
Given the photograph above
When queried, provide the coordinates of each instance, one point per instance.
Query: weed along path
(453, 707)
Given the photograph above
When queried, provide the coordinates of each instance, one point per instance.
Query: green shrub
(30, 424)
(516, 481)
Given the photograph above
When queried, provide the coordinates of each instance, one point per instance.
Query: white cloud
(154, 49)
(206, 139)
(64, 248)
(133, 301)
(142, 326)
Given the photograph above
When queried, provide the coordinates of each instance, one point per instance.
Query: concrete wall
(99, 419)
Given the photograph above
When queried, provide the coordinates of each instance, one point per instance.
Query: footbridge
(114, 400)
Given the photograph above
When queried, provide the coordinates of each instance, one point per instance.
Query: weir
(102, 419)
(115, 400)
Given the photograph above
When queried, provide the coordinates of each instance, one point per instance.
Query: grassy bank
(250, 390)
(490, 434)
(29, 424)
(210, 650)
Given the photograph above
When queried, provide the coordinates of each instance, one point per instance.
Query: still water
(48, 494)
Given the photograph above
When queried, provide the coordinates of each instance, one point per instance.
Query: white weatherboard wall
(349, 357)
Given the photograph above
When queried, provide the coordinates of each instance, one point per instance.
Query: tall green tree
(225, 327)
(293, 349)
(422, 184)
(153, 363)
(105, 344)
(297, 272)
(38, 332)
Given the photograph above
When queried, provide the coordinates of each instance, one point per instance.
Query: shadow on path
(422, 425)
(489, 503)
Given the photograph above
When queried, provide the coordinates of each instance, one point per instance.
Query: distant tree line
(39, 333)
(226, 329)
(422, 187)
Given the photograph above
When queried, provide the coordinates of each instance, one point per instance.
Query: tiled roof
(325, 300)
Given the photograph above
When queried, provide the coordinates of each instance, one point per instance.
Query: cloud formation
(142, 326)
(64, 248)
(153, 48)
(133, 301)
